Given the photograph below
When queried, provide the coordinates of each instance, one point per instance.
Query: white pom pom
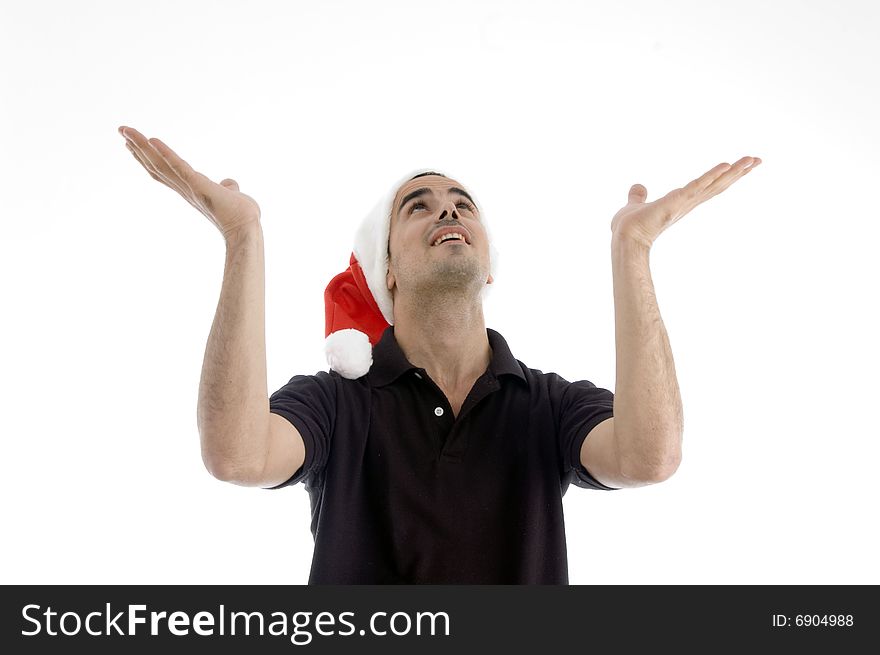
(349, 353)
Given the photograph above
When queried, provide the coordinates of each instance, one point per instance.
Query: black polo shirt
(403, 492)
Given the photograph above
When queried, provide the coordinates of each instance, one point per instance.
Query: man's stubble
(449, 283)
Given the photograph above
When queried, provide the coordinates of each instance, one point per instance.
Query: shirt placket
(451, 433)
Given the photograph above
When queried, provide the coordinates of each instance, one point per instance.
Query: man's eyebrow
(420, 192)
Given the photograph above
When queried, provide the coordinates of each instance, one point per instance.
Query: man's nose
(448, 210)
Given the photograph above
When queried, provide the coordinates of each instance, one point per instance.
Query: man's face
(424, 209)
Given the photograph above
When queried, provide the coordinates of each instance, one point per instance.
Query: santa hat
(358, 305)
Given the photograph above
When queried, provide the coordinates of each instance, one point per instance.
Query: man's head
(426, 207)
(393, 257)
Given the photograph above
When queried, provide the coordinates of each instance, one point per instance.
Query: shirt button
(438, 411)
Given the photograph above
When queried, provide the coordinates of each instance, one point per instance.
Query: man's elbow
(232, 472)
(655, 470)
(664, 472)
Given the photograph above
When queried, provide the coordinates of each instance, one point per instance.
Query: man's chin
(446, 284)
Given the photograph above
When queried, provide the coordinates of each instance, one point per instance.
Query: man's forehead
(436, 183)
(433, 182)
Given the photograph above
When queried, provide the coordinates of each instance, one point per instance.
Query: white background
(548, 111)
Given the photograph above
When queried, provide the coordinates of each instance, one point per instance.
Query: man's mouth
(453, 233)
(451, 237)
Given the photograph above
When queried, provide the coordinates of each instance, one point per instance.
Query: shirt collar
(389, 362)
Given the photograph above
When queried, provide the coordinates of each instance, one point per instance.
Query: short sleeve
(583, 406)
(309, 403)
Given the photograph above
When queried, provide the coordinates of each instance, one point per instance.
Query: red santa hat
(358, 305)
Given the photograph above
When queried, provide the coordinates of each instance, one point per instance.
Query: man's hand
(643, 222)
(222, 204)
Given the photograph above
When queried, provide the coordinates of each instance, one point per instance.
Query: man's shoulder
(322, 384)
(328, 377)
(552, 382)
(542, 378)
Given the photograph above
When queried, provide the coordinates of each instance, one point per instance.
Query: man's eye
(467, 206)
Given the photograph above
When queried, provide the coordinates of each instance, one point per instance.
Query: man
(441, 458)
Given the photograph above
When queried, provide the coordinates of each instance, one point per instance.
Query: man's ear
(389, 280)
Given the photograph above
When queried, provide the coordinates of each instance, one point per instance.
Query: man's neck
(446, 337)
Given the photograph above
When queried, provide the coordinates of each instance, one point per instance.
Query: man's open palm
(643, 222)
(223, 204)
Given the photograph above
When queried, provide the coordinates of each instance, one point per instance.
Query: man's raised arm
(239, 442)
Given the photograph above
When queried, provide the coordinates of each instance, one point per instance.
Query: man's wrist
(243, 233)
(628, 246)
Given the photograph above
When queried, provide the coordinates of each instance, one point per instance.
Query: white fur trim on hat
(371, 245)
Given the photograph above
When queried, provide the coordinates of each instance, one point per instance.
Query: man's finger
(179, 166)
(151, 154)
(736, 171)
(637, 193)
(200, 185)
(697, 185)
(147, 165)
(144, 162)
(160, 178)
(151, 169)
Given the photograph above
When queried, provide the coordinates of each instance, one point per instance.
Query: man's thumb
(637, 193)
(230, 183)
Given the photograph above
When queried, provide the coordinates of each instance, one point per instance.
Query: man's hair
(428, 173)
